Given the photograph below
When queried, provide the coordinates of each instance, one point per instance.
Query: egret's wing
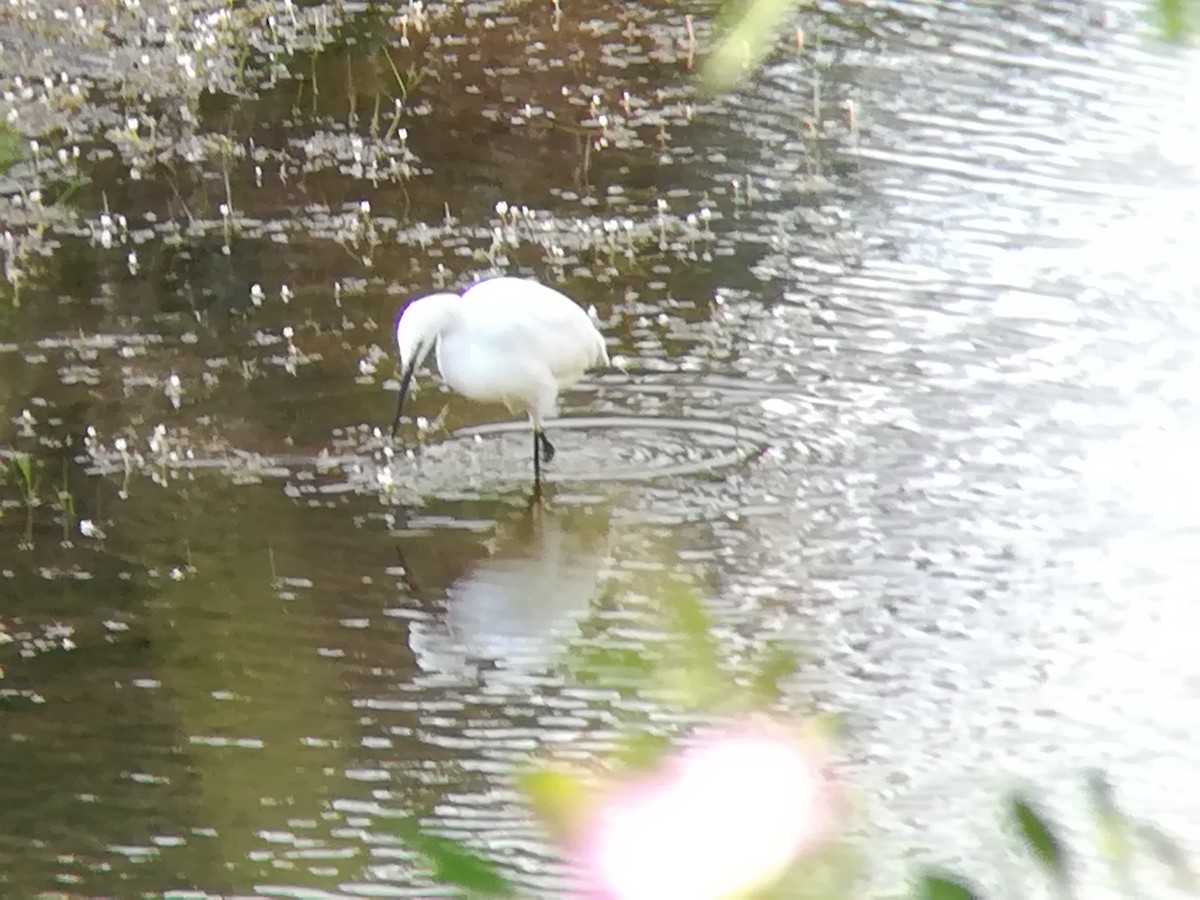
(534, 321)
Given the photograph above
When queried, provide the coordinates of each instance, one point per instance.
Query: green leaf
(746, 42)
(1041, 839)
(24, 467)
(610, 667)
(691, 671)
(1172, 19)
(688, 616)
(944, 887)
(559, 797)
(774, 664)
(11, 147)
(1176, 20)
(1112, 828)
(71, 189)
(692, 625)
(453, 863)
(643, 751)
(1168, 852)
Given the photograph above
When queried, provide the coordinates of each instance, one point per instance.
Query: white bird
(505, 340)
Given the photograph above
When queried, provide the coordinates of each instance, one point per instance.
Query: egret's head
(419, 322)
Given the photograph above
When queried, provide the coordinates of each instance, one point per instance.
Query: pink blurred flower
(721, 817)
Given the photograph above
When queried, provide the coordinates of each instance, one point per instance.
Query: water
(906, 330)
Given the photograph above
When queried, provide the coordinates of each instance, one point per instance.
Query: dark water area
(905, 341)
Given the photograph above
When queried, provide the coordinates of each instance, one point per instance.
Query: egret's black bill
(405, 378)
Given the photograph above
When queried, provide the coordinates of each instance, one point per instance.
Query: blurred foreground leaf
(832, 873)
(1112, 828)
(615, 668)
(558, 796)
(452, 863)
(693, 626)
(1176, 20)
(693, 670)
(774, 663)
(747, 38)
(643, 750)
(1038, 834)
(943, 887)
(1168, 852)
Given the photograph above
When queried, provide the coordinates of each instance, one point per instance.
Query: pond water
(906, 332)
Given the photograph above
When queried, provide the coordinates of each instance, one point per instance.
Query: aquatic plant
(25, 473)
(66, 507)
(10, 147)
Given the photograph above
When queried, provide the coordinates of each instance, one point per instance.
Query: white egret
(504, 340)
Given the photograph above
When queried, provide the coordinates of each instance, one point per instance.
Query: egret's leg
(537, 463)
(547, 447)
(543, 407)
(539, 410)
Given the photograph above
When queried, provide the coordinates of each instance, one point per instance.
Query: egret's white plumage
(505, 340)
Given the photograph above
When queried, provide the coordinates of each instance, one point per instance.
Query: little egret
(504, 340)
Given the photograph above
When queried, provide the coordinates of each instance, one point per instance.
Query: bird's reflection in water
(515, 609)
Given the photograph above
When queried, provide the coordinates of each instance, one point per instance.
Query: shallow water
(906, 331)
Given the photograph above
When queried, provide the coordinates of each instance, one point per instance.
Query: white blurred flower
(723, 817)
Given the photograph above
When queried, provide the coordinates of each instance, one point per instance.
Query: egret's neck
(423, 323)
